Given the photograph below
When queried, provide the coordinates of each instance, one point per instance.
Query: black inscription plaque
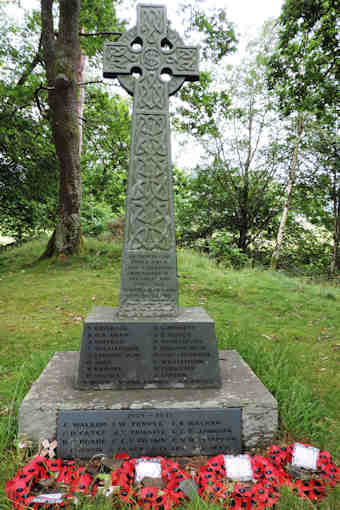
(151, 432)
(120, 353)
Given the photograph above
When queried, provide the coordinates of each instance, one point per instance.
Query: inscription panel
(139, 354)
(149, 278)
(151, 432)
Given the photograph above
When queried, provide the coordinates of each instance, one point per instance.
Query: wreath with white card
(240, 481)
(305, 469)
(138, 481)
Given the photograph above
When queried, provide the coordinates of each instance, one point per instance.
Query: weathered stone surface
(54, 390)
(173, 352)
(149, 50)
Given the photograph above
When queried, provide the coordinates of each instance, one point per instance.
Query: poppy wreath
(262, 492)
(314, 488)
(23, 489)
(151, 497)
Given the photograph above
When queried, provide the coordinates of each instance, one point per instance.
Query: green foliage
(201, 101)
(306, 249)
(202, 104)
(221, 246)
(218, 33)
(211, 201)
(303, 69)
(98, 16)
(28, 167)
(106, 150)
(94, 216)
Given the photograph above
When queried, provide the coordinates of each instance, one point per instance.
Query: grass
(286, 329)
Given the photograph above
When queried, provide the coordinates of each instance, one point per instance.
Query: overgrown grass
(286, 329)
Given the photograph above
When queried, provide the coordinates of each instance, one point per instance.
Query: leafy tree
(202, 101)
(303, 70)
(210, 203)
(28, 177)
(303, 73)
(238, 127)
(60, 56)
(63, 64)
(319, 186)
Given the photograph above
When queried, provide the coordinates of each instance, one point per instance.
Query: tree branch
(100, 34)
(88, 83)
(37, 100)
(48, 39)
(32, 65)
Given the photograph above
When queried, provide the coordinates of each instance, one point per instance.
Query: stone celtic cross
(151, 63)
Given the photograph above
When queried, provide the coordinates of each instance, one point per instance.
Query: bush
(94, 217)
(223, 249)
(306, 253)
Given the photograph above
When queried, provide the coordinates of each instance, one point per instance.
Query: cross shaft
(150, 50)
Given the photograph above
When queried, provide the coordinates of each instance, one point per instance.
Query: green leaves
(98, 16)
(303, 68)
(219, 37)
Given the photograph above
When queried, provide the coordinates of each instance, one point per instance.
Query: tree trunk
(82, 61)
(335, 264)
(291, 180)
(61, 57)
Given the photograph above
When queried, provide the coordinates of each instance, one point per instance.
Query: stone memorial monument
(148, 379)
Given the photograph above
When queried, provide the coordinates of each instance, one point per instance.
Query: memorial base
(241, 407)
(168, 352)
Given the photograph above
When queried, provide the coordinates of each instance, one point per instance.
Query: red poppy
(81, 483)
(18, 487)
(237, 503)
(36, 467)
(266, 494)
(330, 473)
(127, 495)
(311, 489)
(120, 456)
(54, 465)
(324, 458)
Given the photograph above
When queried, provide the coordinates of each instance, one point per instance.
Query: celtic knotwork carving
(150, 226)
(153, 23)
(187, 59)
(141, 58)
(121, 57)
(151, 94)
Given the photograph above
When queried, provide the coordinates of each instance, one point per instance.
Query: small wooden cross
(151, 63)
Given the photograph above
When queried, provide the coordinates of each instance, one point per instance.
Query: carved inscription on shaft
(152, 432)
(151, 50)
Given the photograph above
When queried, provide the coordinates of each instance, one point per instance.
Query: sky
(247, 15)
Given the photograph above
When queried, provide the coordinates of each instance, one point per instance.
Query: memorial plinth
(213, 427)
